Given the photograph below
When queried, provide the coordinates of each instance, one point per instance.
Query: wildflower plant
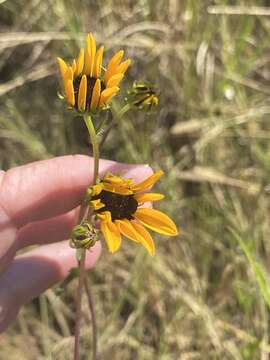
(113, 206)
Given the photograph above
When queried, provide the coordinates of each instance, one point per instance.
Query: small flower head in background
(143, 96)
(87, 85)
(117, 203)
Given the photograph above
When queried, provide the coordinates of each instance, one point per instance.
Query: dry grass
(204, 295)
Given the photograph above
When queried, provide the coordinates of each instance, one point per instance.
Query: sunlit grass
(205, 294)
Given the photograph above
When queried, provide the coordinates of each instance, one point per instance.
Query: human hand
(39, 204)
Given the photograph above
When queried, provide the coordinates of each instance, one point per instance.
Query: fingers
(31, 194)
(39, 232)
(51, 187)
(23, 202)
(34, 272)
(47, 231)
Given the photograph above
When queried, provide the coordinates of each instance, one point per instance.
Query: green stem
(93, 136)
(93, 316)
(82, 281)
(83, 214)
(122, 112)
(79, 306)
(117, 117)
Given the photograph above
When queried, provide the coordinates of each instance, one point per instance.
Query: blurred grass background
(206, 294)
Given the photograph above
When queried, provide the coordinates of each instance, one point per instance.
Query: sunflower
(88, 86)
(117, 202)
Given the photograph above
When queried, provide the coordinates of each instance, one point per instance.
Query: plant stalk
(93, 317)
(84, 213)
(93, 136)
(79, 306)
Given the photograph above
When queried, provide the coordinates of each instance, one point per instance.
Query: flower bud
(83, 235)
(142, 96)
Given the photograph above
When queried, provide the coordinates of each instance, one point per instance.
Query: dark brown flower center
(120, 206)
(90, 87)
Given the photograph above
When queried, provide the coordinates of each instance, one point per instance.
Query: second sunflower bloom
(87, 86)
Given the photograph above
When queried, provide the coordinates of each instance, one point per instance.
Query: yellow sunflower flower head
(87, 85)
(118, 202)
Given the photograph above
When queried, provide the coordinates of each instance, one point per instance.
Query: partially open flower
(143, 96)
(87, 85)
(117, 202)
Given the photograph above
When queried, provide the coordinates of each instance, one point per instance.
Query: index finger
(47, 188)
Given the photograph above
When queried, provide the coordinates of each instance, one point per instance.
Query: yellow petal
(74, 67)
(95, 95)
(113, 179)
(70, 93)
(122, 68)
(91, 49)
(147, 183)
(114, 80)
(105, 216)
(80, 62)
(115, 60)
(113, 64)
(145, 239)
(111, 235)
(127, 230)
(98, 62)
(82, 93)
(97, 189)
(157, 221)
(87, 62)
(68, 74)
(110, 98)
(123, 190)
(142, 198)
(97, 204)
(107, 95)
(155, 100)
(63, 67)
(109, 74)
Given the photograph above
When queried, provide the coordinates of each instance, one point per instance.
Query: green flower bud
(142, 96)
(83, 236)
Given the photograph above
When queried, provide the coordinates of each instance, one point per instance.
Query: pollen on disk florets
(87, 85)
